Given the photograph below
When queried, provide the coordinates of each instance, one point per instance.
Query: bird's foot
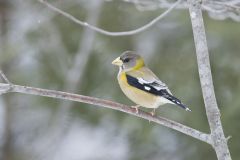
(153, 111)
(136, 107)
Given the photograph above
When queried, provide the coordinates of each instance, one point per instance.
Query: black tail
(164, 93)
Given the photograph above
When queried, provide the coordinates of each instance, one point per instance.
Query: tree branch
(212, 111)
(108, 33)
(5, 88)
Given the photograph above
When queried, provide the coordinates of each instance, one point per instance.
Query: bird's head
(129, 60)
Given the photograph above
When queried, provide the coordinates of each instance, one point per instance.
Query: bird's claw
(136, 108)
(153, 112)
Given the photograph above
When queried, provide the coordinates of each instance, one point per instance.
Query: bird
(141, 85)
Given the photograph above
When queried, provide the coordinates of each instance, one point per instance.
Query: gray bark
(7, 88)
(219, 141)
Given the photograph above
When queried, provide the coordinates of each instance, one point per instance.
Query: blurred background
(41, 48)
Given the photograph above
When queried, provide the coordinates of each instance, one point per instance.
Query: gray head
(129, 60)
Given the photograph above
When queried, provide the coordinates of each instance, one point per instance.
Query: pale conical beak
(117, 62)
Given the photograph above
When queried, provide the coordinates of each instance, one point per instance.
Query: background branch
(102, 31)
(4, 88)
(216, 9)
(74, 76)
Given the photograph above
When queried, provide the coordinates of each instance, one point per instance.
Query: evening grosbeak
(141, 85)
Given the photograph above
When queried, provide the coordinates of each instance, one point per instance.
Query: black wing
(150, 88)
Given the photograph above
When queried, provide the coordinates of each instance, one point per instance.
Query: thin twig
(4, 77)
(109, 104)
(108, 33)
(150, 5)
(228, 138)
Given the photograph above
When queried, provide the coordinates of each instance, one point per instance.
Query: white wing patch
(158, 85)
(147, 88)
(142, 81)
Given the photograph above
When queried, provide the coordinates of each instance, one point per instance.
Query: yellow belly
(138, 96)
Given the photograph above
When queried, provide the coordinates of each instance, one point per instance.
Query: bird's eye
(126, 60)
